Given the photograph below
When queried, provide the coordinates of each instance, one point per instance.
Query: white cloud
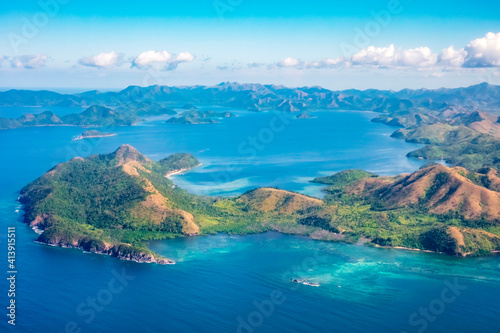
(289, 62)
(390, 57)
(148, 59)
(29, 61)
(184, 57)
(483, 52)
(102, 60)
(376, 56)
(451, 57)
(326, 63)
(419, 57)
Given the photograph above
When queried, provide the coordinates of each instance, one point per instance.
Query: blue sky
(365, 44)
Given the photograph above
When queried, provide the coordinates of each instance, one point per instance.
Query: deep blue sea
(231, 283)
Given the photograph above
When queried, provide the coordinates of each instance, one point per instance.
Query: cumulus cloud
(29, 61)
(102, 60)
(392, 57)
(146, 59)
(376, 56)
(483, 52)
(325, 63)
(419, 57)
(168, 61)
(451, 57)
(289, 62)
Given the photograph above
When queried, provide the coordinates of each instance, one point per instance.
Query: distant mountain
(92, 116)
(258, 96)
(100, 116)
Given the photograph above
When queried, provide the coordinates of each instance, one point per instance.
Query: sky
(75, 45)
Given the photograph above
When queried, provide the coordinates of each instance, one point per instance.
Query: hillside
(342, 179)
(272, 200)
(107, 203)
(438, 189)
(421, 210)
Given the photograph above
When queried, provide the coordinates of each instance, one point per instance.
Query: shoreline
(159, 261)
(176, 172)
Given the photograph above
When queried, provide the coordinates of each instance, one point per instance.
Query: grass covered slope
(437, 208)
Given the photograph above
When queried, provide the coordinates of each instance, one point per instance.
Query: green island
(115, 203)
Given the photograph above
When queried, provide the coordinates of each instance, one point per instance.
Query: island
(470, 139)
(193, 117)
(304, 115)
(115, 203)
(90, 134)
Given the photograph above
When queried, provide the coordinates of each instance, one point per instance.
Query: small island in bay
(193, 117)
(93, 134)
(304, 115)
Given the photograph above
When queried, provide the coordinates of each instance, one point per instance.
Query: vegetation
(343, 178)
(483, 151)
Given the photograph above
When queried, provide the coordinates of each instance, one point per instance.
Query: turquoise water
(239, 284)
